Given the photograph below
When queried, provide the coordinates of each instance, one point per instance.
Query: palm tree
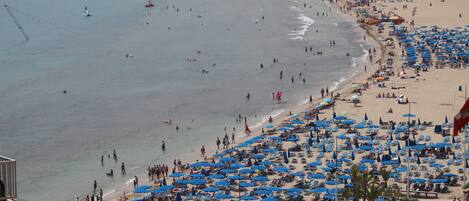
(365, 186)
(374, 189)
(386, 175)
(356, 182)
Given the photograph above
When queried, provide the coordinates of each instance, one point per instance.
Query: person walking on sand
(270, 119)
(327, 90)
(202, 151)
(311, 99)
(232, 137)
(163, 146)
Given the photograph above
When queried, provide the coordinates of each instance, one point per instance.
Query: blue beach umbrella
(246, 171)
(216, 176)
(177, 174)
(197, 175)
(318, 190)
(197, 181)
(227, 171)
(217, 165)
(248, 198)
(263, 192)
(227, 160)
(236, 177)
(316, 176)
(246, 184)
(409, 115)
(222, 196)
(221, 183)
(258, 167)
(260, 178)
(210, 189)
(281, 169)
(269, 199)
(236, 165)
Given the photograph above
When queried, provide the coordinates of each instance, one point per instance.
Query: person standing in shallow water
(163, 146)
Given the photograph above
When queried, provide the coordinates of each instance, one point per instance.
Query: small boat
(87, 12)
(149, 4)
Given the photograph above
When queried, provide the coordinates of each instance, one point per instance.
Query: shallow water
(114, 102)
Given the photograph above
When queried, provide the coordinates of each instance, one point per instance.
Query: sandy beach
(432, 95)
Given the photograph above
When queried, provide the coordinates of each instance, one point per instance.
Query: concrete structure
(7, 178)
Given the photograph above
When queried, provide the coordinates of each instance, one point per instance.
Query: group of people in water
(156, 172)
(226, 141)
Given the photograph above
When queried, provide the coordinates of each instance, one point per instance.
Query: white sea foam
(336, 84)
(110, 192)
(335, 24)
(305, 22)
(294, 8)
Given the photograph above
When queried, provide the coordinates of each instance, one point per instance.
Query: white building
(7, 179)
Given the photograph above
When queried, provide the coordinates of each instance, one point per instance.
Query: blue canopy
(439, 180)
(227, 160)
(177, 174)
(248, 198)
(197, 175)
(409, 115)
(246, 171)
(222, 183)
(316, 176)
(260, 178)
(216, 176)
(269, 199)
(210, 189)
(246, 184)
(280, 169)
(318, 190)
(236, 177)
(221, 196)
(263, 192)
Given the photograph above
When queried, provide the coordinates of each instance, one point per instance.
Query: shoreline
(344, 88)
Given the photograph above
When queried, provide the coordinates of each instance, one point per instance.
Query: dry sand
(433, 94)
